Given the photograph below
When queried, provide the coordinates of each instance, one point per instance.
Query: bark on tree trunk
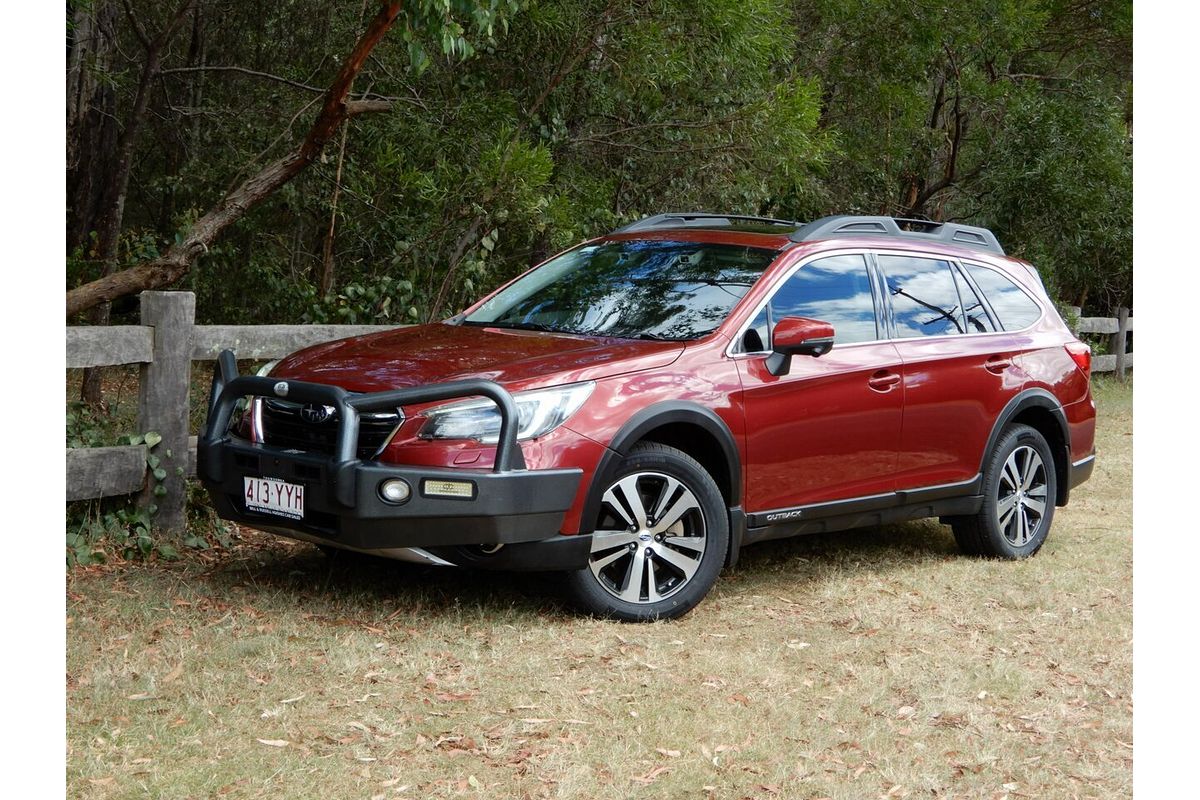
(178, 259)
(91, 110)
(112, 204)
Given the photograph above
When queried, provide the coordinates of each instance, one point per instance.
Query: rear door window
(1015, 309)
(924, 296)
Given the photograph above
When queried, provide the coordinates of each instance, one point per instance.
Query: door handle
(883, 381)
(997, 364)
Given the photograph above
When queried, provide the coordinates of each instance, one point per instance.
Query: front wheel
(1020, 487)
(660, 540)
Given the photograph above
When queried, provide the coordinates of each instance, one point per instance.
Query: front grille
(313, 428)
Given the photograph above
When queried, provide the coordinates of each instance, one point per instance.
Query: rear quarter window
(1014, 308)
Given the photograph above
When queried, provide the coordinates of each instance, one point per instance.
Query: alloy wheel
(1021, 496)
(650, 540)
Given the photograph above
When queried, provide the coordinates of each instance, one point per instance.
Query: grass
(875, 663)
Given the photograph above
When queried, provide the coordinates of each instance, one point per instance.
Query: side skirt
(954, 499)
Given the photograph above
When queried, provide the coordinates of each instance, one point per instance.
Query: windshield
(630, 289)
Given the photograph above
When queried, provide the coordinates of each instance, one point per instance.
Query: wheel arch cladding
(1041, 411)
(689, 427)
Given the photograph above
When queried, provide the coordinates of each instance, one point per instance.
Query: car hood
(438, 352)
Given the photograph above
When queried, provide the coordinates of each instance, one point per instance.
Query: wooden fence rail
(164, 346)
(1118, 328)
(168, 341)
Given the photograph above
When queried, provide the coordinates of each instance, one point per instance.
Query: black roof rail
(923, 229)
(683, 219)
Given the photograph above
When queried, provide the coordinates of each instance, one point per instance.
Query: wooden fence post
(1120, 341)
(163, 403)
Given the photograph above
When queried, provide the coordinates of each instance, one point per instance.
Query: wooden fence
(168, 341)
(164, 346)
(1118, 328)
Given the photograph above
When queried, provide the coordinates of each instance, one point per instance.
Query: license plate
(273, 496)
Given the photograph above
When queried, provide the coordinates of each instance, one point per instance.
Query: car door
(958, 369)
(829, 429)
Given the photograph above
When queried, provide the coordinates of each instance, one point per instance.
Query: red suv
(638, 408)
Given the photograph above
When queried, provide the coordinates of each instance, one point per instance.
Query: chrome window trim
(871, 253)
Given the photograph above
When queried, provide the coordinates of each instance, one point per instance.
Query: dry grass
(858, 665)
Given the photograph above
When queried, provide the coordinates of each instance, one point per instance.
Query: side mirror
(797, 336)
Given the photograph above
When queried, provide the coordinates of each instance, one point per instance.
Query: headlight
(538, 412)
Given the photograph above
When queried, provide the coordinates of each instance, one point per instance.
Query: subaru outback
(636, 410)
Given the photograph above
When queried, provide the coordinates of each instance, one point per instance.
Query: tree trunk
(178, 259)
(112, 202)
(91, 111)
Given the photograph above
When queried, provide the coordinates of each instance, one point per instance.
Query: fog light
(395, 490)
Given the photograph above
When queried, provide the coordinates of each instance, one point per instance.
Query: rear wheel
(1018, 503)
(660, 540)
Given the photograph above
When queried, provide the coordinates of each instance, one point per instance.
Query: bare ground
(875, 663)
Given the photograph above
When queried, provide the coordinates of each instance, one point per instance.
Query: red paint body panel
(821, 432)
(951, 401)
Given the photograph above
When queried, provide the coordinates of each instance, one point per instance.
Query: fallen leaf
(174, 674)
(651, 776)
(668, 753)
(274, 742)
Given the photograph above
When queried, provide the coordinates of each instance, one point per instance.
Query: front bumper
(342, 503)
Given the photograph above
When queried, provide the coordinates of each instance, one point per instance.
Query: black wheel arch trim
(642, 423)
(1037, 398)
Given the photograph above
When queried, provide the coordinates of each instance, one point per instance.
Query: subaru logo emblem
(281, 389)
(316, 414)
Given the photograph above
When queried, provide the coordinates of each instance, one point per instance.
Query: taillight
(1081, 354)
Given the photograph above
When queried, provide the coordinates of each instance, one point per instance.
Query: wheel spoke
(1033, 463)
(693, 543)
(652, 595)
(598, 564)
(605, 540)
(634, 578)
(680, 561)
(627, 489)
(1011, 473)
(1035, 505)
(668, 491)
(1007, 517)
(1023, 533)
(1005, 506)
(685, 502)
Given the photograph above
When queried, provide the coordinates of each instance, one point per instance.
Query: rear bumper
(342, 502)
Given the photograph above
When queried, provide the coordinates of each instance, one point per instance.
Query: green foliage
(518, 128)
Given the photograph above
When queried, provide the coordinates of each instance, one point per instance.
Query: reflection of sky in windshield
(836, 290)
(656, 289)
(1014, 308)
(924, 298)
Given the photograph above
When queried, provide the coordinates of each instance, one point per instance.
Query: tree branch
(178, 260)
(244, 71)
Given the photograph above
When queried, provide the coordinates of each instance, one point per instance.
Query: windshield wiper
(518, 326)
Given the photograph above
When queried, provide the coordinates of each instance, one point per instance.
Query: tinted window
(836, 290)
(976, 315)
(1015, 309)
(924, 298)
(630, 289)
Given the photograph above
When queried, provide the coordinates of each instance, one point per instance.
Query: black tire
(674, 562)
(1019, 491)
